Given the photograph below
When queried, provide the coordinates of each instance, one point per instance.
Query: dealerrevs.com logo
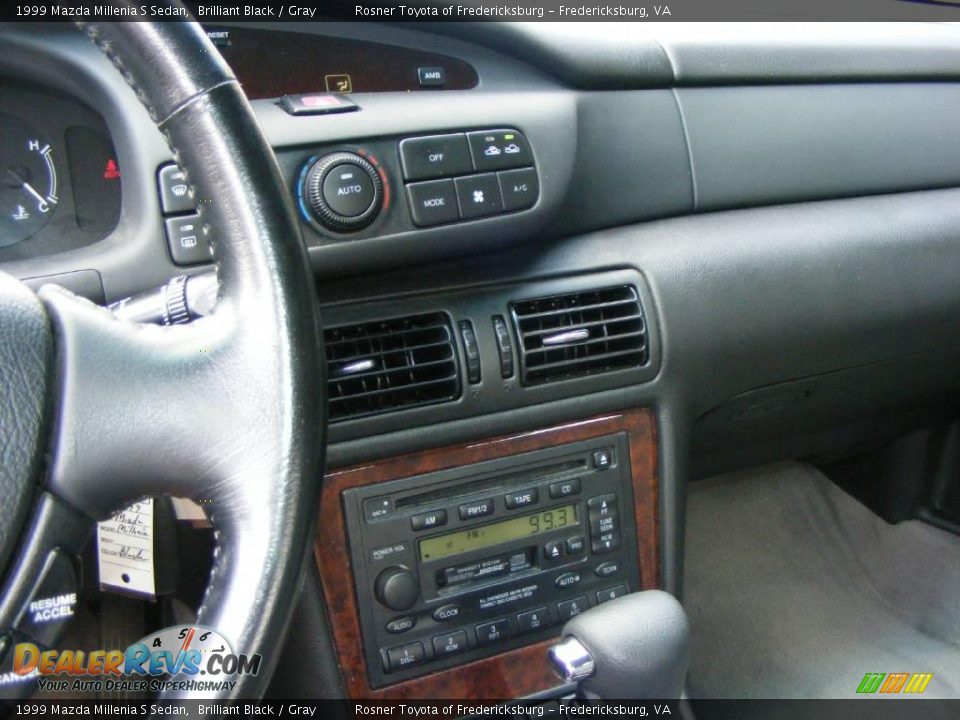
(178, 658)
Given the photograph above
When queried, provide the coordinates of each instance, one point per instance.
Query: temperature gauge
(28, 181)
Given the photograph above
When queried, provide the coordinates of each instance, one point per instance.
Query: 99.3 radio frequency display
(478, 538)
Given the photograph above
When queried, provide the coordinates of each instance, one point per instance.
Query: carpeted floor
(796, 590)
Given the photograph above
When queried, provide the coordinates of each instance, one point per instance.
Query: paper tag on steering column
(125, 551)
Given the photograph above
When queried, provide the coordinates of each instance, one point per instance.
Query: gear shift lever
(635, 647)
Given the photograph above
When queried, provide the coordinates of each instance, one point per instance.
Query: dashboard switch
(433, 203)
(479, 195)
(431, 76)
(471, 349)
(174, 191)
(317, 104)
(435, 156)
(504, 346)
(188, 244)
(520, 188)
(492, 632)
(499, 150)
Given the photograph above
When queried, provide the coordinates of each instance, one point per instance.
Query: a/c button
(433, 203)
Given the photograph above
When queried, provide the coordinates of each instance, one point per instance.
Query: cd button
(565, 488)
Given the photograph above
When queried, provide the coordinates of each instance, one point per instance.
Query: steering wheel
(97, 412)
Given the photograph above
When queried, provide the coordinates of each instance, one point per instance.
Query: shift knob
(632, 648)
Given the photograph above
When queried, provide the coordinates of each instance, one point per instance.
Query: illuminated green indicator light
(510, 136)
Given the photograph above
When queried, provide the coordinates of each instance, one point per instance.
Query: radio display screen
(477, 538)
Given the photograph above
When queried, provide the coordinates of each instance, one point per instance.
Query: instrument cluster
(60, 178)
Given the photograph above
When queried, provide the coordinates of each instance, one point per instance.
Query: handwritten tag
(125, 550)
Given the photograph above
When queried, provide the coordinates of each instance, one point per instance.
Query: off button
(348, 190)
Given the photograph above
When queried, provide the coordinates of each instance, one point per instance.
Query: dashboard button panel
(459, 183)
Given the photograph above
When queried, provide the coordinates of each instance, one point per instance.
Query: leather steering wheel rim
(229, 409)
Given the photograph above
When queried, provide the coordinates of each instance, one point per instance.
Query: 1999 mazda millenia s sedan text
(480, 362)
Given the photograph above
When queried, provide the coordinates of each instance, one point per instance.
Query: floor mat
(796, 590)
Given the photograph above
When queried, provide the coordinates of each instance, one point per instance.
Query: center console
(478, 554)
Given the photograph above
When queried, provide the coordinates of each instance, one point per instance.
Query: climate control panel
(468, 562)
(389, 186)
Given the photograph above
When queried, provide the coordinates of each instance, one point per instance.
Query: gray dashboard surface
(745, 297)
(638, 55)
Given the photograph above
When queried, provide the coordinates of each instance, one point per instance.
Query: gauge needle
(40, 199)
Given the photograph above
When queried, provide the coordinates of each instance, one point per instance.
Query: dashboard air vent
(381, 366)
(581, 333)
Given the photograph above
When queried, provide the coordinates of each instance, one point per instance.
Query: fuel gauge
(28, 181)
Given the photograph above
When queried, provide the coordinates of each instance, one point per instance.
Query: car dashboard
(562, 272)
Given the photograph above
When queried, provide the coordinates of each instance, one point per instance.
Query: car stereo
(464, 563)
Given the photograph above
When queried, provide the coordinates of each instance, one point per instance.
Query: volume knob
(342, 191)
(397, 588)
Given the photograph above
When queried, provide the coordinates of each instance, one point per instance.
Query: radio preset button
(446, 613)
(575, 545)
(400, 658)
(401, 624)
(565, 488)
(611, 593)
(521, 498)
(572, 608)
(533, 620)
(450, 644)
(494, 632)
(607, 569)
(477, 508)
(567, 580)
(427, 520)
(553, 551)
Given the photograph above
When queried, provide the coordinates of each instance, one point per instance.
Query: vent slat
(412, 362)
(611, 327)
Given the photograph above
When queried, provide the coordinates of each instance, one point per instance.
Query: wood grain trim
(514, 673)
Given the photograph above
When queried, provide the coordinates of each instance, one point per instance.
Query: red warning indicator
(111, 171)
